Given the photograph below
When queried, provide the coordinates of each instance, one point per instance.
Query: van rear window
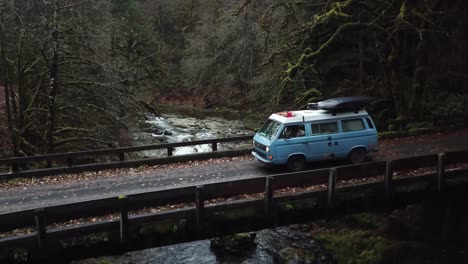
(352, 125)
(325, 128)
(369, 123)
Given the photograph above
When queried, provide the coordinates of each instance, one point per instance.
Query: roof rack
(341, 104)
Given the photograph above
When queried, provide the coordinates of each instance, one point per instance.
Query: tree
(222, 55)
(64, 89)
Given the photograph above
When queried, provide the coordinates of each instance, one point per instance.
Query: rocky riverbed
(172, 128)
(292, 245)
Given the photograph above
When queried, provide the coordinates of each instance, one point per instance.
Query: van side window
(352, 125)
(293, 131)
(369, 123)
(324, 128)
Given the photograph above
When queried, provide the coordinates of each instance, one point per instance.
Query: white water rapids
(172, 128)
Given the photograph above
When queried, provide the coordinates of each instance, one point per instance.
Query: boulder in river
(234, 243)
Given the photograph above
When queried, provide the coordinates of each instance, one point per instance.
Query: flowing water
(190, 126)
(268, 247)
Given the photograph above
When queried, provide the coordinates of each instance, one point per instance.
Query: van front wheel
(296, 163)
(357, 156)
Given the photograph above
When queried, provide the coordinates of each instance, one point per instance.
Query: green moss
(104, 261)
(352, 246)
(363, 220)
(298, 205)
(234, 243)
(163, 227)
(287, 207)
(238, 214)
(87, 240)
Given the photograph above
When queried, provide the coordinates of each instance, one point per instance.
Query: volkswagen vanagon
(337, 128)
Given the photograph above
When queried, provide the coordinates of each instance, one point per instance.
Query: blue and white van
(295, 137)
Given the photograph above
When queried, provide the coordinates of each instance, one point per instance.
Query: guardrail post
(388, 180)
(169, 151)
(331, 187)
(269, 197)
(41, 226)
(123, 219)
(70, 162)
(14, 167)
(200, 207)
(214, 146)
(122, 156)
(441, 172)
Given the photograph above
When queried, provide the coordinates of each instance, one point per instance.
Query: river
(181, 124)
(280, 245)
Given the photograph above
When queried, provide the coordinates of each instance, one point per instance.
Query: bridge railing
(199, 205)
(67, 162)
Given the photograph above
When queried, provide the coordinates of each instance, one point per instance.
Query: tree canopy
(77, 74)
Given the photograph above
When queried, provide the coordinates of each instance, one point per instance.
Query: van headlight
(267, 149)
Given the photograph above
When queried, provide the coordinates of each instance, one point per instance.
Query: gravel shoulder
(54, 190)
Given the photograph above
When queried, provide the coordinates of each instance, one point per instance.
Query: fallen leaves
(85, 176)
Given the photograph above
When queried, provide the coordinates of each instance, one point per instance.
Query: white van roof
(313, 115)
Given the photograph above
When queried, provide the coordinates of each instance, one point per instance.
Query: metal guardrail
(68, 165)
(204, 213)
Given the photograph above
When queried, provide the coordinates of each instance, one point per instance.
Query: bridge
(74, 162)
(193, 212)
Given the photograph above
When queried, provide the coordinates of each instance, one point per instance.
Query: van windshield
(269, 129)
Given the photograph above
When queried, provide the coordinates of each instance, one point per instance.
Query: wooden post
(331, 188)
(14, 167)
(214, 146)
(169, 151)
(388, 180)
(70, 162)
(41, 226)
(269, 197)
(122, 156)
(123, 219)
(441, 172)
(200, 206)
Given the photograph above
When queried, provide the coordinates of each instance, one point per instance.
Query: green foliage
(363, 220)
(352, 246)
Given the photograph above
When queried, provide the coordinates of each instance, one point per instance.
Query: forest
(78, 74)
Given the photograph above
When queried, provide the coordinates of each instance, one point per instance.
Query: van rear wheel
(357, 155)
(296, 163)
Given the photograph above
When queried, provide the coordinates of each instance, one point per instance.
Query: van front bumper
(261, 159)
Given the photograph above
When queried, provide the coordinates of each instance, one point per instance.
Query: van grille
(260, 146)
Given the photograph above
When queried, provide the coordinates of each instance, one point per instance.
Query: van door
(324, 140)
(291, 141)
